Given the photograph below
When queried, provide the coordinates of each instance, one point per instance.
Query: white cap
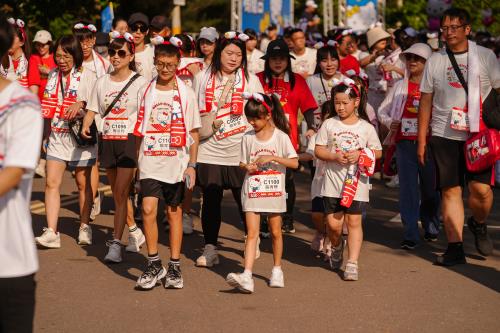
(311, 3)
(420, 49)
(42, 36)
(209, 33)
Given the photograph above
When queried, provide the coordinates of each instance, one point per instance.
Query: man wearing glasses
(138, 24)
(454, 117)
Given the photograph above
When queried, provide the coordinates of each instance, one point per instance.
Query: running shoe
(49, 239)
(151, 276)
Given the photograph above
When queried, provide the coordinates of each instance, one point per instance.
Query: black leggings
(211, 211)
(17, 304)
(290, 199)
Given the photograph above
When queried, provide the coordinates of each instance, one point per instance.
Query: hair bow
(159, 40)
(127, 36)
(431, 35)
(235, 35)
(351, 85)
(19, 24)
(320, 45)
(258, 98)
(90, 27)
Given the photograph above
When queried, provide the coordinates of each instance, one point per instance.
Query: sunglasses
(121, 53)
(140, 27)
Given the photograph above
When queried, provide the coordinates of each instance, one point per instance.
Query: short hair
(323, 53)
(250, 33)
(295, 30)
(459, 13)
(70, 45)
(168, 50)
(6, 35)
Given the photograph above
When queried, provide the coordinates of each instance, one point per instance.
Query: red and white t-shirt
(409, 120)
(35, 78)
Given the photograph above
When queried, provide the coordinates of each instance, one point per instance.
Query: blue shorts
(73, 164)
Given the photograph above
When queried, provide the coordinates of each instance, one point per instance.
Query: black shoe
(174, 277)
(480, 232)
(430, 237)
(453, 256)
(264, 228)
(408, 245)
(287, 227)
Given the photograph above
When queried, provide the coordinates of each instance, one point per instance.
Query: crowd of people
(241, 111)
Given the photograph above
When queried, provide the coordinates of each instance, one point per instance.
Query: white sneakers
(114, 253)
(187, 224)
(85, 235)
(209, 257)
(393, 183)
(49, 239)
(135, 240)
(245, 283)
(96, 207)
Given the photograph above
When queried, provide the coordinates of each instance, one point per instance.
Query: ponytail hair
(259, 109)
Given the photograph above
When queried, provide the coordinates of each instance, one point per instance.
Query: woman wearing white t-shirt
(118, 150)
(219, 91)
(20, 139)
(138, 25)
(68, 90)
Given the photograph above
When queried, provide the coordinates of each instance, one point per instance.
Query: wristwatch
(192, 165)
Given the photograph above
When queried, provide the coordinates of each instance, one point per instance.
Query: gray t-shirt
(440, 79)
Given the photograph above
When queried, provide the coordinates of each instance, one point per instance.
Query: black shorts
(220, 175)
(118, 153)
(332, 205)
(17, 303)
(173, 194)
(449, 158)
(317, 205)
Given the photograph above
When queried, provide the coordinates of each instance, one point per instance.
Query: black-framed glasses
(451, 28)
(141, 27)
(121, 53)
(170, 67)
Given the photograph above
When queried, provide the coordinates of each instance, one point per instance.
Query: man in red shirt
(294, 94)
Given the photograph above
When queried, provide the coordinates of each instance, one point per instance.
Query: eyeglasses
(65, 58)
(451, 28)
(170, 67)
(121, 53)
(140, 27)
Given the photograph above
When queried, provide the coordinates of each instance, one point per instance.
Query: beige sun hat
(421, 49)
(376, 34)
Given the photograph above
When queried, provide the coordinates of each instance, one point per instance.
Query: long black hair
(22, 34)
(222, 43)
(268, 73)
(256, 109)
(353, 94)
(117, 44)
(323, 53)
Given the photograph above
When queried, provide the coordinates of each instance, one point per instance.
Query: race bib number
(263, 186)
(231, 125)
(409, 126)
(158, 145)
(115, 129)
(459, 119)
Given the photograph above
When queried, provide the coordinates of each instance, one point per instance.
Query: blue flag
(107, 16)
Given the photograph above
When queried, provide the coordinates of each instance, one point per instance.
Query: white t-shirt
(21, 128)
(321, 92)
(90, 65)
(440, 79)
(121, 120)
(254, 62)
(375, 73)
(265, 191)
(319, 174)
(224, 151)
(338, 136)
(61, 144)
(305, 62)
(144, 62)
(166, 167)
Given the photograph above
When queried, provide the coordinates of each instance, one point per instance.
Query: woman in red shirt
(41, 63)
(294, 94)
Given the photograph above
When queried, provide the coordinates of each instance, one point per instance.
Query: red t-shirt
(349, 62)
(34, 76)
(409, 123)
(291, 100)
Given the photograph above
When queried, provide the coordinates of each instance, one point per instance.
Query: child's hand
(264, 160)
(340, 158)
(353, 156)
(251, 167)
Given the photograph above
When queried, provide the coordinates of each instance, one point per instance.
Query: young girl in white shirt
(266, 152)
(349, 145)
(14, 67)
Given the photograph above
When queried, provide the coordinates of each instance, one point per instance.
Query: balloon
(436, 8)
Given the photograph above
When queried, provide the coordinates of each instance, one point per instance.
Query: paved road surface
(398, 291)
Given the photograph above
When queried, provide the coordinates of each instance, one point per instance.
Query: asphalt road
(398, 291)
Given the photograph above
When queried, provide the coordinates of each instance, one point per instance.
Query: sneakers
(114, 253)
(454, 255)
(317, 242)
(428, 237)
(174, 277)
(242, 282)
(187, 224)
(85, 235)
(277, 280)
(135, 240)
(393, 183)
(351, 271)
(337, 256)
(49, 239)
(151, 276)
(209, 257)
(287, 226)
(408, 245)
(96, 207)
(257, 248)
(481, 239)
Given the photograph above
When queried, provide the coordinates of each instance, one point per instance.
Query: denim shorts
(74, 164)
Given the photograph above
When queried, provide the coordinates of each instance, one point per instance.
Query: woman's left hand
(73, 110)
